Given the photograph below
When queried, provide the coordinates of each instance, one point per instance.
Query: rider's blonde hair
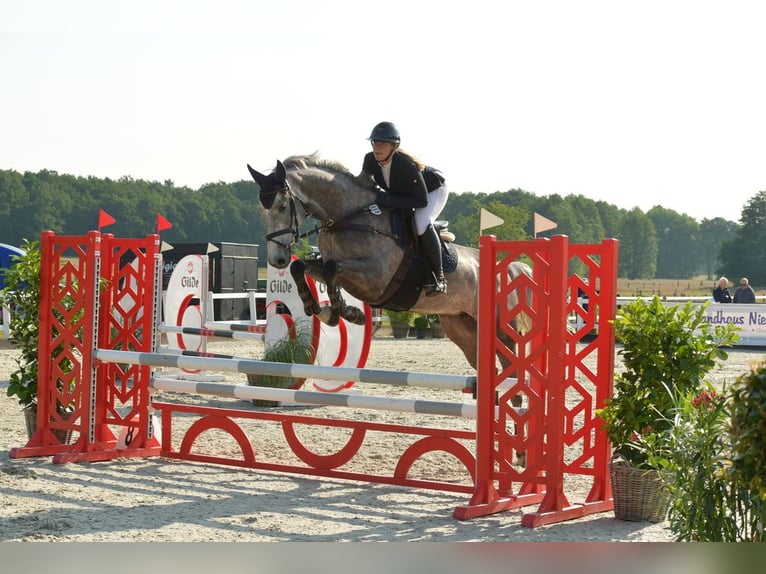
(413, 159)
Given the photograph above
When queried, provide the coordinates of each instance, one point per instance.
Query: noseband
(294, 229)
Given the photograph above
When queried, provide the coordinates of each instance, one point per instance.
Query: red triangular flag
(162, 223)
(105, 219)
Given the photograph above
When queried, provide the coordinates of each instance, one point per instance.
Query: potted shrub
(400, 322)
(437, 331)
(666, 351)
(421, 324)
(22, 296)
(295, 347)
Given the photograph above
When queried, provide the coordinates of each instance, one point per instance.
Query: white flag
(488, 219)
(543, 224)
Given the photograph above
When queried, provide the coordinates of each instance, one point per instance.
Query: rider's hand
(383, 199)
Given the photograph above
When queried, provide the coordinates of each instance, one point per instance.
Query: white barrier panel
(751, 319)
(346, 345)
(184, 297)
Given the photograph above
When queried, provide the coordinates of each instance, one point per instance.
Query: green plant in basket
(400, 322)
(400, 317)
(21, 295)
(667, 350)
(296, 347)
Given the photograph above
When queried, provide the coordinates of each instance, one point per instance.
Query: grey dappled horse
(359, 250)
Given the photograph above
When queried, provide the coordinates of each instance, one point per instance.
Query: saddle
(410, 278)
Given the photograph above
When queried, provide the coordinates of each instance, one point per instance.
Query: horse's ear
(259, 178)
(281, 172)
(266, 185)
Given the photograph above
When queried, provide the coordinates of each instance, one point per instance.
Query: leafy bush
(21, 295)
(400, 317)
(667, 351)
(697, 460)
(297, 349)
(748, 446)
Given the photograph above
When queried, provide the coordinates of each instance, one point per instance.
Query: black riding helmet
(385, 132)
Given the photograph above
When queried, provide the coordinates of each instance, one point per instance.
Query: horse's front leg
(328, 314)
(298, 269)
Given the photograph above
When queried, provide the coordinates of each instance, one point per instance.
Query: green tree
(712, 234)
(677, 245)
(742, 256)
(638, 246)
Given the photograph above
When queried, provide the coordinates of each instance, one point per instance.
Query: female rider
(408, 184)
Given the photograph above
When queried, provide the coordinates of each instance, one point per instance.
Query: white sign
(186, 292)
(345, 345)
(751, 319)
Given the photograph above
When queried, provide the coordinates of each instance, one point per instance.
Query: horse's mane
(335, 167)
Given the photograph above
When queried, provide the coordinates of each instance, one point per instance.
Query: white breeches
(425, 216)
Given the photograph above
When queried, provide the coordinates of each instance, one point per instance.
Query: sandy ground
(163, 500)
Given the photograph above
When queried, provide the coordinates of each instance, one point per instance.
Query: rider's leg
(429, 239)
(432, 249)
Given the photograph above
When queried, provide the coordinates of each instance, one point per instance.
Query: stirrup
(436, 288)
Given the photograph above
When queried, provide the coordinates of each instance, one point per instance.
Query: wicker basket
(639, 493)
(64, 436)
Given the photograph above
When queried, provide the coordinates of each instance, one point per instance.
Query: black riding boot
(432, 249)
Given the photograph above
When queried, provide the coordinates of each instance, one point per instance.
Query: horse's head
(303, 186)
(280, 213)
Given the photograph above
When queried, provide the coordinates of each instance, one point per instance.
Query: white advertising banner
(751, 319)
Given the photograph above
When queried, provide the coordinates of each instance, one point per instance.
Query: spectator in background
(744, 293)
(721, 293)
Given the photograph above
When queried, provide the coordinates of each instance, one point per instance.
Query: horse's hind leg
(517, 401)
(352, 314)
(325, 272)
(461, 330)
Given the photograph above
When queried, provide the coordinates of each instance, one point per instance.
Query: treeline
(660, 243)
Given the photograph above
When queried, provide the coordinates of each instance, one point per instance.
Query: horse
(362, 252)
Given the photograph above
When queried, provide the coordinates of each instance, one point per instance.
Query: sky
(634, 103)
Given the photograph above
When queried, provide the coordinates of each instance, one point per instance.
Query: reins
(329, 226)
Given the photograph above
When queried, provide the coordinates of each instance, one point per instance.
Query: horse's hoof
(327, 316)
(312, 308)
(354, 315)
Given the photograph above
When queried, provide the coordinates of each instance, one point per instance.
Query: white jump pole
(316, 398)
(256, 332)
(299, 371)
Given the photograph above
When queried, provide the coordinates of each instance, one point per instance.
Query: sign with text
(751, 319)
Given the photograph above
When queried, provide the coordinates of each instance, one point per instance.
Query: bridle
(329, 226)
(294, 228)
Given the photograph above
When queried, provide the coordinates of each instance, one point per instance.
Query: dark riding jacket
(721, 295)
(408, 188)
